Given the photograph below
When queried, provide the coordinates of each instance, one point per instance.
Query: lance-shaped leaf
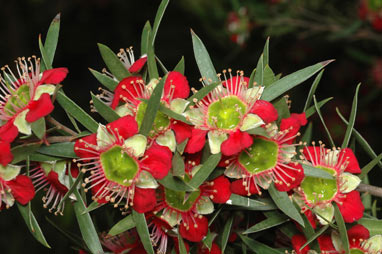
(203, 60)
(177, 164)
(315, 236)
(151, 61)
(373, 225)
(251, 204)
(366, 169)
(203, 92)
(266, 52)
(341, 228)
(203, 173)
(51, 40)
(269, 76)
(311, 110)
(104, 110)
(39, 127)
(259, 75)
(143, 231)
(309, 233)
(226, 233)
(252, 78)
(153, 105)
(105, 80)
(93, 206)
(122, 225)
(65, 149)
(353, 113)
(71, 189)
(77, 112)
(174, 183)
(45, 64)
(182, 247)
(283, 202)
(173, 114)
(158, 18)
(307, 136)
(282, 108)
(113, 63)
(316, 172)
(42, 157)
(313, 90)
(21, 152)
(273, 219)
(180, 66)
(145, 37)
(32, 223)
(288, 82)
(258, 247)
(323, 122)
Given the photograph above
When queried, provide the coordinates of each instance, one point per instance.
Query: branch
(372, 190)
(60, 139)
(61, 126)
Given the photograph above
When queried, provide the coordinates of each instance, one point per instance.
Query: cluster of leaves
(238, 216)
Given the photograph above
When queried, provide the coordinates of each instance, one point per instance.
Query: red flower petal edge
(22, 189)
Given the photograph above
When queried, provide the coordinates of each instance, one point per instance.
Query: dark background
(118, 24)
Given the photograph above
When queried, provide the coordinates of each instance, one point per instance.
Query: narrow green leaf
(212, 219)
(203, 92)
(177, 165)
(174, 183)
(373, 225)
(258, 131)
(353, 114)
(313, 90)
(77, 112)
(366, 169)
(104, 110)
(72, 237)
(105, 80)
(173, 115)
(73, 121)
(44, 55)
(88, 231)
(158, 17)
(282, 108)
(252, 78)
(207, 241)
(145, 38)
(307, 136)
(316, 172)
(310, 111)
(64, 149)
(323, 122)
(21, 152)
(161, 65)
(341, 228)
(182, 247)
(180, 147)
(206, 68)
(42, 157)
(226, 233)
(143, 231)
(122, 225)
(39, 127)
(251, 204)
(361, 140)
(283, 202)
(71, 189)
(93, 206)
(203, 173)
(269, 76)
(51, 40)
(309, 233)
(288, 82)
(151, 62)
(266, 52)
(180, 66)
(153, 105)
(289, 229)
(273, 219)
(315, 236)
(259, 75)
(113, 63)
(32, 223)
(258, 247)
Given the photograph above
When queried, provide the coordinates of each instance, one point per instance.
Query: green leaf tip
(324, 63)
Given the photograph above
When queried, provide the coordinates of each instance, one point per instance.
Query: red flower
(214, 249)
(265, 110)
(292, 125)
(196, 230)
(19, 188)
(5, 153)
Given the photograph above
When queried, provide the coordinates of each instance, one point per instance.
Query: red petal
(195, 234)
(176, 245)
(312, 153)
(182, 131)
(214, 249)
(236, 142)
(53, 180)
(5, 153)
(176, 86)
(96, 189)
(53, 76)
(144, 200)
(238, 188)
(233, 82)
(22, 189)
(356, 233)
(311, 218)
(293, 124)
(83, 143)
(196, 142)
(265, 110)
(8, 132)
(129, 89)
(326, 244)
(353, 166)
(301, 118)
(158, 161)
(138, 65)
(40, 108)
(293, 177)
(351, 207)
(125, 126)
(223, 190)
(298, 241)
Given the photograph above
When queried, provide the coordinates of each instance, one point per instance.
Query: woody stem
(372, 190)
(60, 126)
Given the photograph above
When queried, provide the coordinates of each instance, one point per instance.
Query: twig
(372, 190)
(60, 139)
(61, 126)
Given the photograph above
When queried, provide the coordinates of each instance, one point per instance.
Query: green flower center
(319, 189)
(161, 121)
(356, 251)
(226, 113)
(19, 99)
(176, 199)
(261, 156)
(118, 166)
(375, 4)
